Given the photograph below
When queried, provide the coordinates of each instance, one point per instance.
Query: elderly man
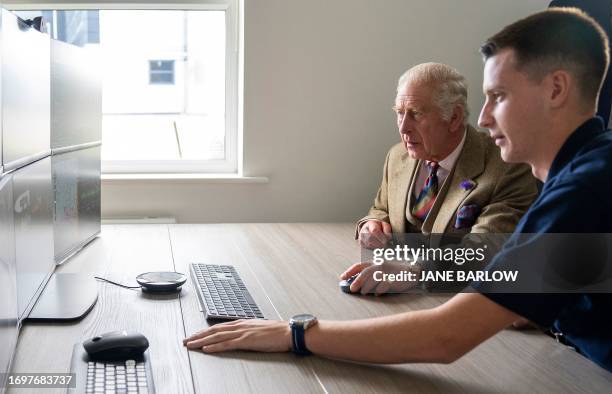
(444, 177)
(541, 80)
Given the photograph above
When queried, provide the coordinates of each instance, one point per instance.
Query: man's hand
(523, 324)
(375, 234)
(365, 282)
(258, 335)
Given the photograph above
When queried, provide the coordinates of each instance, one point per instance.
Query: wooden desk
(289, 269)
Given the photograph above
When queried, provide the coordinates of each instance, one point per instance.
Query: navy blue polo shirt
(576, 198)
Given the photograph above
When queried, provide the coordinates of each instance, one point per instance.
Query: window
(93, 31)
(169, 94)
(161, 72)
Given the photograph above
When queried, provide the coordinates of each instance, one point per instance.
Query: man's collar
(574, 143)
(449, 161)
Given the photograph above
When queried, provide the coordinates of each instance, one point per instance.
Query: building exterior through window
(164, 81)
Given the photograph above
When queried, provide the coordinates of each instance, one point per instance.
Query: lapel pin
(467, 184)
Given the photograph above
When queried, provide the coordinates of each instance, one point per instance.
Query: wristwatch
(299, 324)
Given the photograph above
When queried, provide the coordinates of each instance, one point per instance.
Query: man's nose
(485, 119)
(403, 125)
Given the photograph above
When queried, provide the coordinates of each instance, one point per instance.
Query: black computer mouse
(345, 285)
(116, 345)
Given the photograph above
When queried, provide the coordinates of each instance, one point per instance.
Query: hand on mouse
(375, 234)
(367, 283)
(523, 324)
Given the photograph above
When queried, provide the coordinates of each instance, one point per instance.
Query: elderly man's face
(425, 134)
(514, 109)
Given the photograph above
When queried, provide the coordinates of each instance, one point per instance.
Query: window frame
(229, 165)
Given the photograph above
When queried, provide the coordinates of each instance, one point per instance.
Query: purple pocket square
(467, 215)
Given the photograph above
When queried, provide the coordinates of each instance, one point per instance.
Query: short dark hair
(558, 38)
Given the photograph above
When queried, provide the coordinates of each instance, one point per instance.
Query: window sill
(198, 178)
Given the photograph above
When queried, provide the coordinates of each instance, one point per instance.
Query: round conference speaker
(156, 282)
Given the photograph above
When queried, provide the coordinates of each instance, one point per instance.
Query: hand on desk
(366, 281)
(375, 234)
(258, 335)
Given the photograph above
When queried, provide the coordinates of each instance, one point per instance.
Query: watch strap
(298, 340)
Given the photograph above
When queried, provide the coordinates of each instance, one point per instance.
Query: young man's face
(513, 110)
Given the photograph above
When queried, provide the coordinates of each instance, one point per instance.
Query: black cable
(116, 284)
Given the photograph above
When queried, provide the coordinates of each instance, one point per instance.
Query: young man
(541, 80)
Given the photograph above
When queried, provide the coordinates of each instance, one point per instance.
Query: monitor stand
(67, 297)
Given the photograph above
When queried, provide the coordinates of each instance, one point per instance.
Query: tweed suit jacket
(502, 192)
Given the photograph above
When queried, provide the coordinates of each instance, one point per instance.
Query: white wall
(320, 80)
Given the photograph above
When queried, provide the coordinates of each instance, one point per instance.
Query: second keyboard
(222, 293)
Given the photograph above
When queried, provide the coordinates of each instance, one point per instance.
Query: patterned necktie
(428, 193)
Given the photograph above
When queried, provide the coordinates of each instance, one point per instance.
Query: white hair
(450, 87)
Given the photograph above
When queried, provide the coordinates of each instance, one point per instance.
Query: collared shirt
(446, 166)
(575, 199)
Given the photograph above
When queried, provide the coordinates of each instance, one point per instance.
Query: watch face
(304, 320)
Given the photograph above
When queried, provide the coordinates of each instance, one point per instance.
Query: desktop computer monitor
(24, 60)
(1, 159)
(76, 184)
(33, 223)
(8, 286)
(41, 293)
(76, 96)
(31, 181)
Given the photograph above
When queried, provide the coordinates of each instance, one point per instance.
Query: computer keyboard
(222, 293)
(129, 376)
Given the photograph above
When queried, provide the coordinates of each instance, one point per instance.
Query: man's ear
(456, 119)
(560, 84)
